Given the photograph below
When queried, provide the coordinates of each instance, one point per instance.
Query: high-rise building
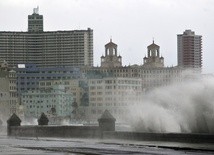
(189, 50)
(47, 49)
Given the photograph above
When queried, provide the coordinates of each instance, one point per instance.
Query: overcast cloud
(131, 23)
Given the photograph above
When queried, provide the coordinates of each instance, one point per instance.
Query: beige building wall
(151, 77)
(114, 94)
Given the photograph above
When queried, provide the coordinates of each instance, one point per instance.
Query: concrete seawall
(95, 132)
(56, 131)
(168, 137)
(14, 128)
(105, 130)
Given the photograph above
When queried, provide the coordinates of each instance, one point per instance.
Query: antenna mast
(36, 10)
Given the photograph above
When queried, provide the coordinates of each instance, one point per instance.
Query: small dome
(107, 115)
(111, 44)
(153, 45)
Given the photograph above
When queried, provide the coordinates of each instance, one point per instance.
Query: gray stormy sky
(131, 23)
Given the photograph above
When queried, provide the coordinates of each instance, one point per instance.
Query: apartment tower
(47, 48)
(189, 50)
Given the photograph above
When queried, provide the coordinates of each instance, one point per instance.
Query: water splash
(29, 121)
(186, 107)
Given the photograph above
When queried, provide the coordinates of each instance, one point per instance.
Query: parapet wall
(169, 137)
(106, 130)
(95, 132)
(14, 128)
(56, 131)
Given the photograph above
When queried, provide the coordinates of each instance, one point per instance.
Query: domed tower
(111, 59)
(153, 58)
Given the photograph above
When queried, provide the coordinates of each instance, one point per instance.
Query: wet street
(59, 146)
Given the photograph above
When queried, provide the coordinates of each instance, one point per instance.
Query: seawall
(167, 137)
(106, 130)
(56, 131)
(95, 132)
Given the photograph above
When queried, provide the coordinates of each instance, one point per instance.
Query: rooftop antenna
(153, 40)
(36, 10)
(111, 39)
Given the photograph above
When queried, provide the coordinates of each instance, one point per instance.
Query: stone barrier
(56, 131)
(106, 123)
(106, 130)
(168, 137)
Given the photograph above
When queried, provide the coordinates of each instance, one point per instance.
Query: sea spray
(185, 107)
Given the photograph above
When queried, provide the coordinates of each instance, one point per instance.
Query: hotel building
(47, 48)
(116, 88)
(153, 72)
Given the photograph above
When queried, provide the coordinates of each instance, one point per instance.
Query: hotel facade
(117, 88)
(47, 49)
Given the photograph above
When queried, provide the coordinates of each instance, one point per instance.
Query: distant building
(189, 50)
(78, 88)
(31, 78)
(54, 102)
(29, 75)
(114, 94)
(8, 91)
(47, 49)
(152, 72)
(116, 87)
